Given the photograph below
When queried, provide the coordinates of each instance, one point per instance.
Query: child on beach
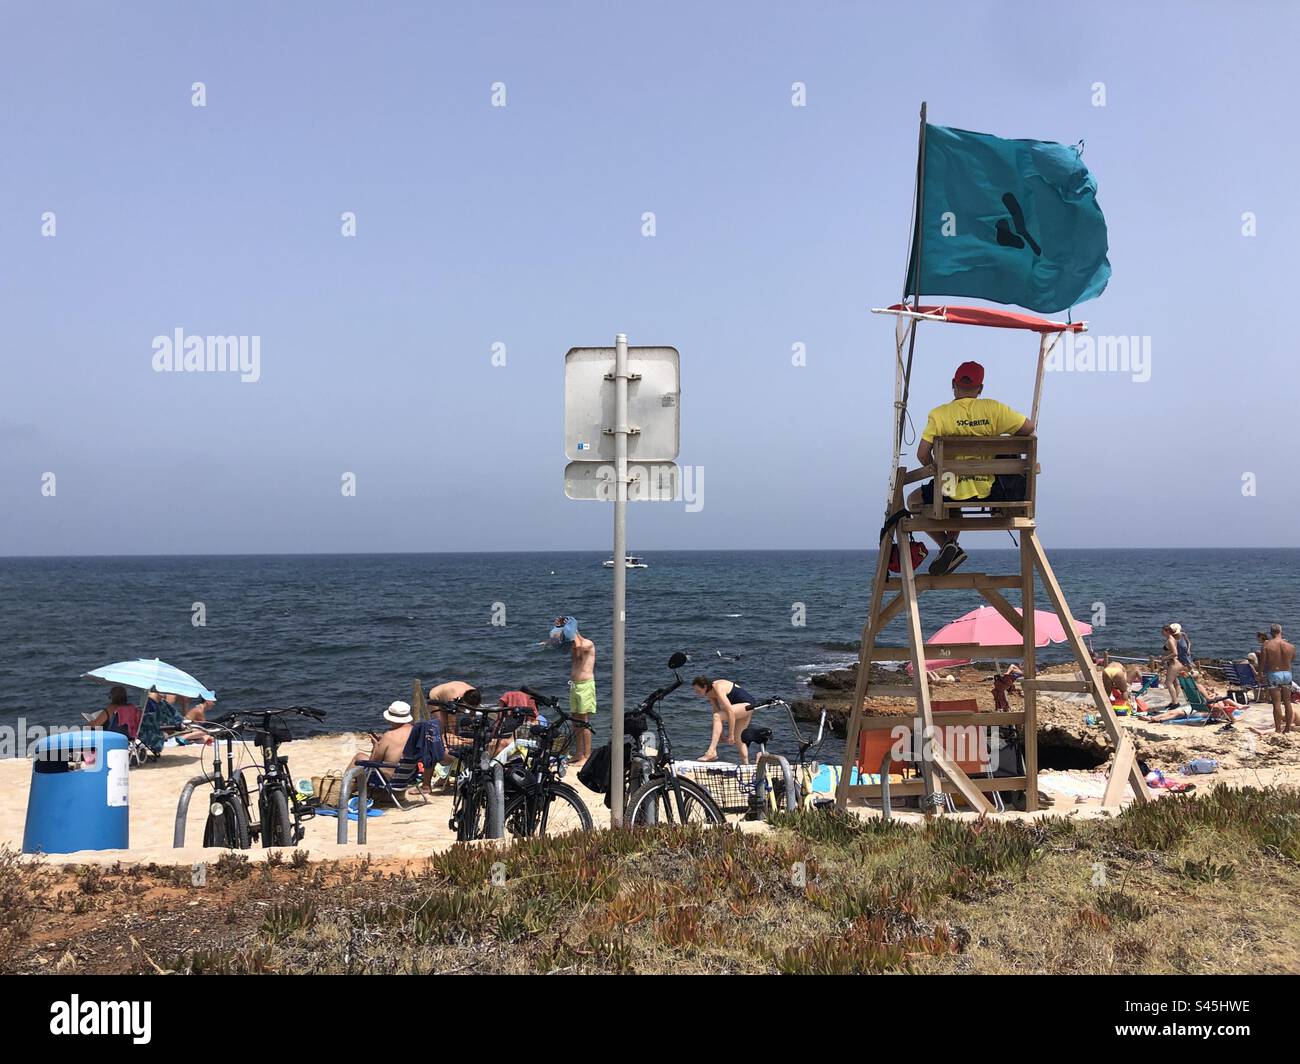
(582, 676)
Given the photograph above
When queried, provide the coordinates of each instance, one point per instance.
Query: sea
(349, 634)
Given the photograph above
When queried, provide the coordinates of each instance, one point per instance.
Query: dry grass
(1202, 884)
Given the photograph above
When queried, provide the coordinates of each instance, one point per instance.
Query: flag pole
(911, 281)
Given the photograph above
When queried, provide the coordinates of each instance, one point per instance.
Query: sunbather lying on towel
(1220, 708)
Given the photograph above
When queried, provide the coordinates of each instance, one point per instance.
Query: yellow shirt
(971, 417)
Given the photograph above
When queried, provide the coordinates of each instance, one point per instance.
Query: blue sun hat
(564, 634)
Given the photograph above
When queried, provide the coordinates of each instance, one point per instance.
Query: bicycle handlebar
(647, 706)
(245, 714)
(551, 702)
(456, 705)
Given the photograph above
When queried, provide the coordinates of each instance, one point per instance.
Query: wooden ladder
(940, 773)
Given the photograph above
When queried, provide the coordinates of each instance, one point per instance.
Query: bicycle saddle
(757, 736)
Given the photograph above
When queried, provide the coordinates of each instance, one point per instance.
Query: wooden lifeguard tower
(945, 774)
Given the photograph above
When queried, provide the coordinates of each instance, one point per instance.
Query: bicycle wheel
(227, 826)
(470, 816)
(557, 812)
(656, 803)
(277, 828)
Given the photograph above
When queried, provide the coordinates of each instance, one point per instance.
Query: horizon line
(596, 551)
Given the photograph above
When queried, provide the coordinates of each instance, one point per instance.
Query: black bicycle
(475, 728)
(537, 801)
(661, 796)
(280, 813)
(227, 826)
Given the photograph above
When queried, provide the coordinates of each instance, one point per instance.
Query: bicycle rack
(639, 773)
(183, 808)
(791, 789)
(496, 827)
(355, 772)
(496, 818)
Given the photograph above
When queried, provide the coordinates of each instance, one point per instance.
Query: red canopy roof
(996, 319)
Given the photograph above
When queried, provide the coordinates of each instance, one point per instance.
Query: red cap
(969, 374)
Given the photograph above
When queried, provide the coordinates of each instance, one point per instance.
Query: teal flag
(1012, 221)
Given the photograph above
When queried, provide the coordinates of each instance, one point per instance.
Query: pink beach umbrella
(984, 626)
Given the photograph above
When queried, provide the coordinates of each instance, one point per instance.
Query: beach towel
(525, 712)
(1203, 718)
(817, 788)
(1157, 780)
(158, 714)
(425, 744)
(564, 634)
(332, 810)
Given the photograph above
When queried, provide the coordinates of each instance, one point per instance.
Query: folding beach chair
(127, 720)
(1149, 681)
(1196, 702)
(955, 740)
(424, 744)
(1242, 681)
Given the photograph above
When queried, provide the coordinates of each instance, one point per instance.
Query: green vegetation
(1186, 884)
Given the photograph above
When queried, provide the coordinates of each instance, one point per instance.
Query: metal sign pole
(620, 576)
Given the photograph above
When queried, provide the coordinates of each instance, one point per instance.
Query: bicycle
(280, 813)
(474, 771)
(537, 801)
(767, 794)
(663, 796)
(227, 826)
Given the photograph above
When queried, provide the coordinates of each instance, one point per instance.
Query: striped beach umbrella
(151, 673)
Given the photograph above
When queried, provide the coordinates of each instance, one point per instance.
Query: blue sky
(521, 225)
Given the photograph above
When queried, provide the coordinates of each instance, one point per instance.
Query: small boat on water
(630, 561)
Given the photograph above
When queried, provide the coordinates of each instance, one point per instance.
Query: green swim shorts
(582, 698)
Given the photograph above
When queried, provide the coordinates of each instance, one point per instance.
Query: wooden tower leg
(931, 748)
(870, 632)
(923, 722)
(1125, 768)
(1029, 667)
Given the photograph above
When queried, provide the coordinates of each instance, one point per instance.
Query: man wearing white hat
(388, 747)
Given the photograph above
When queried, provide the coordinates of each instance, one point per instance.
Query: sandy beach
(1244, 759)
(156, 787)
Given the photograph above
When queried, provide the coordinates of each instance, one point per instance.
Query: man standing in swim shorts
(1276, 656)
(582, 675)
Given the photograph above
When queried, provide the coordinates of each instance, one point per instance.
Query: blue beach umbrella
(146, 673)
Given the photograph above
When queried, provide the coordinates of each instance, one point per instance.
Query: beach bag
(919, 553)
(328, 788)
(919, 550)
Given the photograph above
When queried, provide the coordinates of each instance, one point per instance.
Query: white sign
(595, 481)
(653, 404)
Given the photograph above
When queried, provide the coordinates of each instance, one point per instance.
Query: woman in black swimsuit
(731, 703)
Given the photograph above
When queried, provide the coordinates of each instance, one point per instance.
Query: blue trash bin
(78, 799)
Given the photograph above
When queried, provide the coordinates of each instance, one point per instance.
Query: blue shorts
(1280, 678)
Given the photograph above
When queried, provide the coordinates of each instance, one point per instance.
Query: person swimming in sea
(731, 704)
